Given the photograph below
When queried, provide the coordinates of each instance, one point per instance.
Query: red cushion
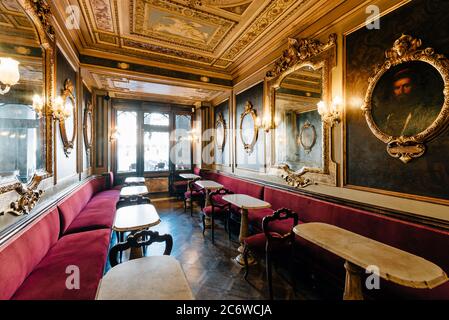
(195, 194)
(218, 200)
(257, 243)
(86, 250)
(72, 205)
(98, 184)
(20, 255)
(217, 211)
(255, 217)
(99, 213)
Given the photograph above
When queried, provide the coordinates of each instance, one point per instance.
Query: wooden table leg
(353, 284)
(207, 220)
(243, 235)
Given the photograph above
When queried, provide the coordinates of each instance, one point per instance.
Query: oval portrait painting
(407, 99)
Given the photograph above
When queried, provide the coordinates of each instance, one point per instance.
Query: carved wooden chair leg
(245, 259)
(269, 275)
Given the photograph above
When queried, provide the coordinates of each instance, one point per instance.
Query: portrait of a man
(408, 99)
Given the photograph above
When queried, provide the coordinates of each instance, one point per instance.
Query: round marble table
(135, 218)
(148, 278)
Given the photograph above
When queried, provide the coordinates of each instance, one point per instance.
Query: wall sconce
(266, 123)
(38, 105)
(9, 74)
(115, 134)
(60, 111)
(330, 114)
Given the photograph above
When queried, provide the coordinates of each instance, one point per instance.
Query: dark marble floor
(209, 268)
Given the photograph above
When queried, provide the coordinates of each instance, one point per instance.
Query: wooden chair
(134, 241)
(217, 207)
(124, 202)
(194, 193)
(270, 243)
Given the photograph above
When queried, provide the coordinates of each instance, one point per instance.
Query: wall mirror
(301, 140)
(26, 74)
(88, 127)
(220, 127)
(68, 124)
(249, 129)
(25, 51)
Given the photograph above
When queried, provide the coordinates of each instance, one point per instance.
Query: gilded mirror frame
(88, 114)
(249, 112)
(68, 94)
(38, 11)
(319, 56)
(221, 121)
(408, 49)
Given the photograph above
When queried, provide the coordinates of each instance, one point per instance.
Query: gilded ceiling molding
(271, 13)
(41, 9)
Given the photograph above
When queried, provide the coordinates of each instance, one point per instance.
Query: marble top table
(360, 252)
(133, 219)
(133, 191)
(148, 278)
(245, 202)
(209, 186)
(189, 176)
(134, 180)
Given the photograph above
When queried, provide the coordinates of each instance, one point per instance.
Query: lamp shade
(9, 71)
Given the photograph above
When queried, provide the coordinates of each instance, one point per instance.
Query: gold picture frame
(88, 116)
(405, 62)
(220, 122)
(39, 13)
(307, 146)
(249, 112)
(299, 54)
(68, 96)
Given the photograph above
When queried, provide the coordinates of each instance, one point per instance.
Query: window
(182, 151)
(156, 153)
(156, 141)
(152, 142)
(126, 141)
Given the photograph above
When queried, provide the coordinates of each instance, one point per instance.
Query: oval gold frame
(88, 110)
(307, 126)
(249, 111)
(222, 121)
(67, 93)
(407, 49)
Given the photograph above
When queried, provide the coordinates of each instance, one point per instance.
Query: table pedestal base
(353, 284)
(241, 261)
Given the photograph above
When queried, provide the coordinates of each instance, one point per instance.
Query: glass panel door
(156, 142)
(126, 141)
(182, 151)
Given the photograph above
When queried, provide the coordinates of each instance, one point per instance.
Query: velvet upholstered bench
(72, 236)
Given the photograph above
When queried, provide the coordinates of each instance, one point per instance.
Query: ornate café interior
(224, 150)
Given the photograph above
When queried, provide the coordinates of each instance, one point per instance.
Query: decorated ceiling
(197, 33)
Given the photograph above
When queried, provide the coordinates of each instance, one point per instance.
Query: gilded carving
(295, 179)
(249, 142)
(306, 140)
(397, 120)
(68, 99)
(29, 196)
(220, 128)
(298, 51)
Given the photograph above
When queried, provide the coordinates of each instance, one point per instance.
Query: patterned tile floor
(209, 268)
